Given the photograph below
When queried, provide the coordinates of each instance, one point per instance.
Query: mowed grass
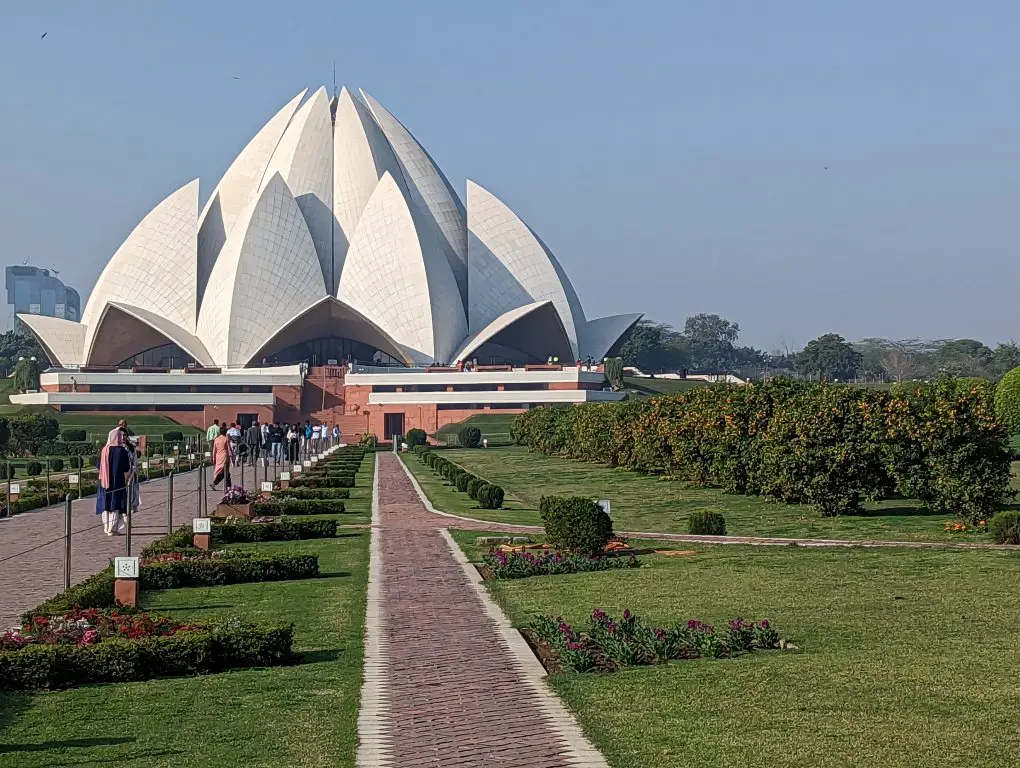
(647, 503)
(903, 661)
(304, 714)
(493, 426)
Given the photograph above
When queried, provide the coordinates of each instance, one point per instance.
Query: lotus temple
(335, 274)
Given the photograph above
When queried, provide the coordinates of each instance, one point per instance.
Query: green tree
(1005, 358)
(614, 372)
(15, 345)
(711, 340)
(828, 357)
(962, 357)
(26, 374)
(653, 347)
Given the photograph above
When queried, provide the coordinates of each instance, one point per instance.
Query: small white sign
(297, 469)
(191, 456)
(171, 461)
(15, 489)
(322, 456)
(125, 567)
(145, 465)
(72, 479)
(314, 460)
(285, 475)
(604, 503)
(267, 487)
(306, 463)
(177, 449)
(201, 525)
(208, 454)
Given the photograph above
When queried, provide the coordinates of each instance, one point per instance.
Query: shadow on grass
(319, 657)
(43, 746)
(901, 511)
(204, 607)
(334, 575)
(350, 535)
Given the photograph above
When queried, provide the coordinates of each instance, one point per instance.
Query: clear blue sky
(673, 154)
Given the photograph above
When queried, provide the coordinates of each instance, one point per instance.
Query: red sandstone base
(202, 541)
(125, 592)
(245, 511)
(284, 484)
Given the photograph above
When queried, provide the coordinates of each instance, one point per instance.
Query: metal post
(9, 488)
(127, 529)
(203, 499)
(81, 475)
(67, 541)
(170, 502)
(47, 482)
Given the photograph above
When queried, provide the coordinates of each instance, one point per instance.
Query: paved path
(448, 682)
(32, 543)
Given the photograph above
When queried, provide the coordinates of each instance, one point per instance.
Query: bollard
(81, 477)
(204, 500)
(242, 473)
(47, 482)
(67, 541)
(170, 502)
(8, 510)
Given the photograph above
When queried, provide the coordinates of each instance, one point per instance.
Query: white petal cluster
(333, 220)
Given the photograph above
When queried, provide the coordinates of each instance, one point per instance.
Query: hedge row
(312, 493)
(237, 569)
(322, 481)
(827, 445)
(193, 652)
(290, 506)
(488, 495)
(181, 540)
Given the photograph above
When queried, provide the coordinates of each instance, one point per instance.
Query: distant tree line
(708, 344)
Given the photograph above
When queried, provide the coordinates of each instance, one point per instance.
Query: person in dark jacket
(253, 442)
(112, 493)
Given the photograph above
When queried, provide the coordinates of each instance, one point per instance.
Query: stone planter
(244, 511)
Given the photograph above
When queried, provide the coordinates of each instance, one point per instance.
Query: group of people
(118, 493)
(234, 446)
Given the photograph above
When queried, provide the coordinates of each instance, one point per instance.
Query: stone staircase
(322, 399)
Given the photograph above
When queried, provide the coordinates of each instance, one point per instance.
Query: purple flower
(737, 624)
(626, 614)
(764, 624)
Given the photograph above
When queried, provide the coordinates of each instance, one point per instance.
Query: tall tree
(962, 357)
(828, 357)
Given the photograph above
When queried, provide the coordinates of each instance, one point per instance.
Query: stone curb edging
(756, 541)
(373, 723)
(581, 753)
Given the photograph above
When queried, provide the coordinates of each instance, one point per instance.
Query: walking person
(114, 483)
(136, 487)
(252, 442)
(222, 448)
(276, 434)
(292, 442)
(234, 434)
(212, 433)
(336, 435)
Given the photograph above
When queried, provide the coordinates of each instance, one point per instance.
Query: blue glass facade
(38, 292)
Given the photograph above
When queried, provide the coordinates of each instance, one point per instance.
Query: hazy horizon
(794, 168)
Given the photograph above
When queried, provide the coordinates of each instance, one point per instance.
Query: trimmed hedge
(56, 465)
(490, 496)
(830, 445)
(469, 437)
(290, 506)
(472, 487)
(33, 468)
(173, 436)
(1005, 527)
(706, 522)
(234, 569)
(73, 435)
(312, 493)
(66, 448)
(281, 530)
(415, 438)
(1007, 401)
(94, 592)
(575, 524)
(462, 481)
(321, 481)
(229, 645)
(7, 471)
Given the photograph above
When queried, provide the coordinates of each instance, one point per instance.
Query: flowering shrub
(88, 627)
(957, 526)
(521, 565)
(610, 643)
(1005, 527)
(235, 495)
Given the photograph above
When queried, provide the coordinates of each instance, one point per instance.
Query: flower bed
(608, 644)
(522, 565)
(287, 506)
(84, 647)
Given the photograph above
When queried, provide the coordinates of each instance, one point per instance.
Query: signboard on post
(604, 503)
(15, 489)
(285, 475)
(306, 463)
(267, 487)
(72, 479)
(145, 465)
(125, 567)
(171, 461)
(201, 525)
(208, 454)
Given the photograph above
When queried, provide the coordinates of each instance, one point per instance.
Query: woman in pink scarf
(114, 482)
(222, 449)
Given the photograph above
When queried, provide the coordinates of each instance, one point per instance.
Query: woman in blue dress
(112, 494)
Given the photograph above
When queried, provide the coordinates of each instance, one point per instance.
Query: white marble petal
(429, 189)
(509, 266)
(397, 276)
(544, 338)
(63, 340)
(268, 272)
(304, 159)
(598, 336)
(361, 155)
(237, 189)
(155, 267)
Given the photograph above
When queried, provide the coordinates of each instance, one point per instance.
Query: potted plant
(236, 503)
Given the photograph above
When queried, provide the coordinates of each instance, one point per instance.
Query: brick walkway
(447, 682)
(32, 543)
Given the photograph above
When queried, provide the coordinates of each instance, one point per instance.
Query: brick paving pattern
(32, 543)
(456, 695)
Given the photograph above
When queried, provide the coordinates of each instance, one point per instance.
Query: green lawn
(653, 387)
(494, 426)
(300, 715)
(645, 503)
(903, 658)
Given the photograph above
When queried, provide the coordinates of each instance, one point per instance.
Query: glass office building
(38, 292)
